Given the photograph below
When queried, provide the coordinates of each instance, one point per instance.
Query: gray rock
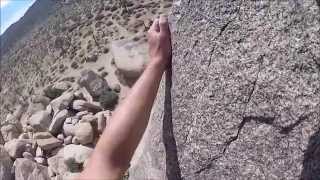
(68, 129)
(24, 136)
(84, 133)
(88, 118)
(57, 122)
(93, 83)
(62, 102)
(41, 135)
(81, 105)
(27, 155)
(101, 121)
(40, 121)
(60, 137)
(40, 99)
(5, 165)
(67, 140)
(41, 160)
(244, 98)
(75, 155)
(26, 169)
(56, 90)
(48, 144)
(57, 165)
(109, 99)
(9, 132)
(16, 147)
(130, 57)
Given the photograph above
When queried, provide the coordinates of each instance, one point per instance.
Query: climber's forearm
(129, 121)
(120, 139)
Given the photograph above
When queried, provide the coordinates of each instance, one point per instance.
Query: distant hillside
(36, 14)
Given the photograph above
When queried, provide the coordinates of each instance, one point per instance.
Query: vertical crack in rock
(244, 119)
(173, 171)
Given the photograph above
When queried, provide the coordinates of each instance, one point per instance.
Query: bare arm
(117, 144)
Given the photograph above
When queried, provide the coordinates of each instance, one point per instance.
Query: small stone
(104, 74)
(74, 65)
(67, 140)
(117, 88)
(91, 58)
(75, 141)
(68, 129)
(40, 160)
(27, 155)
(60, 137)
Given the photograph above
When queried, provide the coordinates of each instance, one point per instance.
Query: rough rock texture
(26, 169)
(245, 94)
(5, 165)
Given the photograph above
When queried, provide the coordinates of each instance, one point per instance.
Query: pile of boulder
(53, 136)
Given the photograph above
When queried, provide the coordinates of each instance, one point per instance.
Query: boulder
(109, 99)
(130, 57)
(49, 143)
(86, 95)
(84, 133)
(62, 102)
(81, 105)
(57, 165)
(40, 121)
(40, 99)
(75, 155)
(26, 169)
(5, 165)
(9, 132)
(93, 83)
(89, 118)
(41, 135)
(56, 90)
(16, 147)
(57, 122)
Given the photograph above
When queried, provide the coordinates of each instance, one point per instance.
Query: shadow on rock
(311, 161)
(173, 171)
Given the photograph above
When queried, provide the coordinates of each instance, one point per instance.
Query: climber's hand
(159, 39)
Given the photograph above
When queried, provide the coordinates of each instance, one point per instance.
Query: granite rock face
(243, 100)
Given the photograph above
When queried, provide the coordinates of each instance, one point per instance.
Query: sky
(11, 11)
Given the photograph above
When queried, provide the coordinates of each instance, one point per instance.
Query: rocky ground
(60, 83)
